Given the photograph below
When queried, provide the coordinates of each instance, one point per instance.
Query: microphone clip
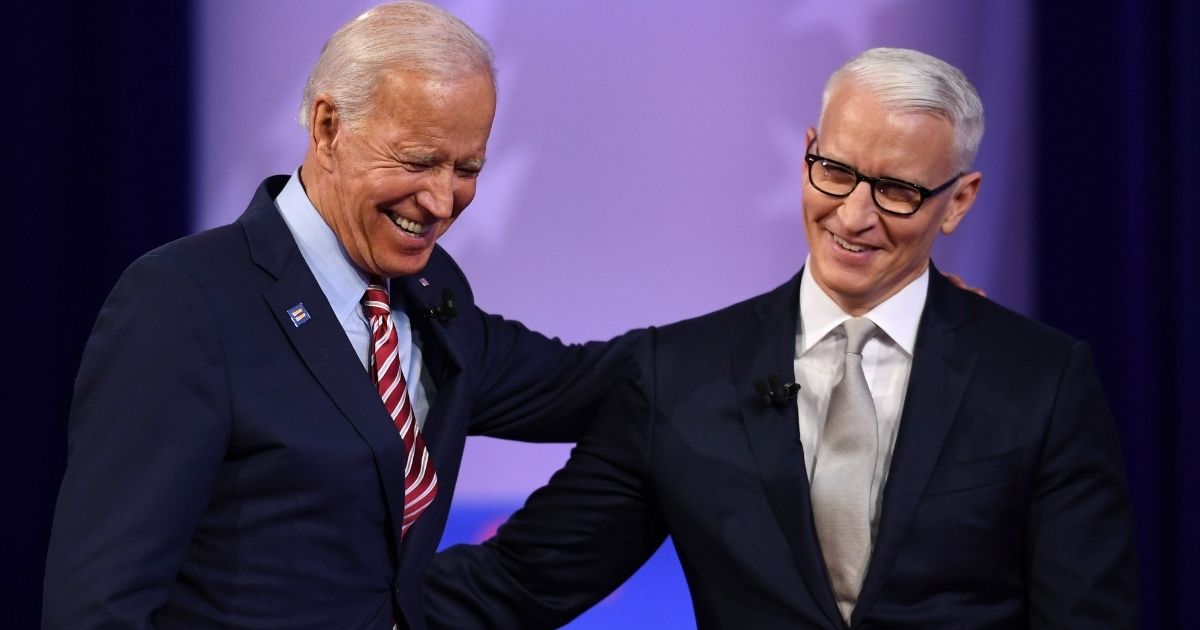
(776, 394)
(446, 311)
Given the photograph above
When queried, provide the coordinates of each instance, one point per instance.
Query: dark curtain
(1116, 180)
(97, 119)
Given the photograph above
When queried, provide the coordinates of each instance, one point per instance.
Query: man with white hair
(269, 417)
(865, 446)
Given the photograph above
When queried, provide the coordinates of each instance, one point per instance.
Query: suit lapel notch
(270, 242)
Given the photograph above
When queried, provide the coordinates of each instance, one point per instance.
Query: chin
(847, 291)
(848, 295)
(407, 265)
(845, 281)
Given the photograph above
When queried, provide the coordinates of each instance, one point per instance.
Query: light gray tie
(844, 470)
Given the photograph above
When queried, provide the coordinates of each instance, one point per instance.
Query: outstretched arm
(573, 542)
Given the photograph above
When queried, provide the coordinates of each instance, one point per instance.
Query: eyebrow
(423, 159)
(859, 171)
(473, 164)
(432, 159)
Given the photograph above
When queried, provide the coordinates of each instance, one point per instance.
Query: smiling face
(393, 184)
(858, 255)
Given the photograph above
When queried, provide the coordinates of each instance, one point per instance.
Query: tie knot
(375, 301)
(858, 331)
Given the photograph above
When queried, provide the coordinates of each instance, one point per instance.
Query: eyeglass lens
(835, 179)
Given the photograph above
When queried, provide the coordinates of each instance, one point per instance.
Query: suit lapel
(417, 295)
(767, 348)
(941, 370)
(321, 342)
(441, 431)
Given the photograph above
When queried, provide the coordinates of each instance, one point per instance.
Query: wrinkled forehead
(405, 93)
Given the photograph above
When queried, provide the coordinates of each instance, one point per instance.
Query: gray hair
(408, 36)
(908, 80)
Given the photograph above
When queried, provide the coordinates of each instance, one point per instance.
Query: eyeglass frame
(925, 193)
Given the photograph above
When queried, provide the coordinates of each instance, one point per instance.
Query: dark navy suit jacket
(229, 468)
(1005, 505)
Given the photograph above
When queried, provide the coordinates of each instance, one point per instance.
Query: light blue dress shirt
(344, 285)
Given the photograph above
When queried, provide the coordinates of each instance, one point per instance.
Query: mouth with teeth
(410, 227)
(848, 246)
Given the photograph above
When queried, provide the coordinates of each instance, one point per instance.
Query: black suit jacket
(1005, 505)
(229, 468)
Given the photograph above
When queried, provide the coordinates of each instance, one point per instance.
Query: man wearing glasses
(865, 446)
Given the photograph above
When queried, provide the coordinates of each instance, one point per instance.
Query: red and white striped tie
(420, 480)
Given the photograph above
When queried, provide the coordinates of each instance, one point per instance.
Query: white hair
(408, 36)
(908, 80)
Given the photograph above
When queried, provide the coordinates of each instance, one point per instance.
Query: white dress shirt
(886, 361)
(344, 284)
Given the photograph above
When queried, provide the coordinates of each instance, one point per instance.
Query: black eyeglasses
(893, 196)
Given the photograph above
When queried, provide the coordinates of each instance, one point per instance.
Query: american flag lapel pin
(423, 282)
(299, 315)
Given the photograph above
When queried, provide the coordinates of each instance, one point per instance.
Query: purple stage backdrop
(644, 167)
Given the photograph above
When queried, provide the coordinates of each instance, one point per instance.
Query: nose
(857, 211)
(437, 196)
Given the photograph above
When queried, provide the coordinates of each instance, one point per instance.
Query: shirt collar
(898, 316)
(341, 281)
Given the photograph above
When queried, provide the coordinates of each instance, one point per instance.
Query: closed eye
(898, 191)
(469, 169)
(418, 166)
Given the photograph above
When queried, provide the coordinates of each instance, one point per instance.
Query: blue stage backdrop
(644, 167)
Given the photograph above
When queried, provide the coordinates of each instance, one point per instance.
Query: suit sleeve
(148, 427)
(533, 388)
(1080, 529)
(573, 542)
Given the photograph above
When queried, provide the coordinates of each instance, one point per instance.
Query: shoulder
(730, 323)
(228, 252)
(212, 257)
(205, 248)
(1019, 359)
(984, 326)
(997, 328)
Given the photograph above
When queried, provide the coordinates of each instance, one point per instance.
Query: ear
(808, 138)
(325, 127)
(961, 201)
